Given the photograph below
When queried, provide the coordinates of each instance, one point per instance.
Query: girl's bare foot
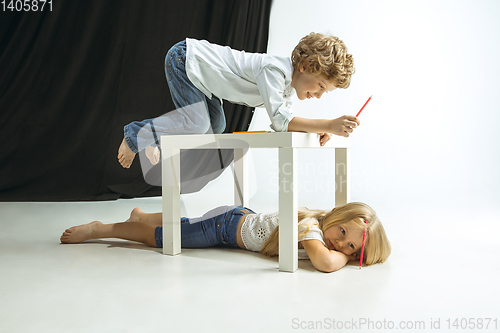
(153, 154)
(80, 233)
(125, 155)
(135, 215)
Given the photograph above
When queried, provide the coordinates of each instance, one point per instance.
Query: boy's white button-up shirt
(252, 79)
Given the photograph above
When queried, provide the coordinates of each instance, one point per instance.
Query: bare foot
(80, 233)
(125, 155)
(135, 215)
(153, 154)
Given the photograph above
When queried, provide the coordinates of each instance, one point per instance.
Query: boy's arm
(323, 259)
(341, 126)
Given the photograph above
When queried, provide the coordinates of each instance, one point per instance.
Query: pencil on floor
(362, 247)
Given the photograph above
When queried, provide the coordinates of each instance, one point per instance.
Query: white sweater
(252, 79)
(257, 228)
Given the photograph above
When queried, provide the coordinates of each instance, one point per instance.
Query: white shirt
(252, 79)
(257, 228)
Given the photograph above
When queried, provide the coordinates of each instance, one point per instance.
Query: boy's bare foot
(135, 215)
(80, 233)
(125, 155)
(153, 154)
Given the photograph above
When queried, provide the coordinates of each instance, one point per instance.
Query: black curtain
(71, 78)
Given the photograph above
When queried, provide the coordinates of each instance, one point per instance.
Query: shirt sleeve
(314, 230)
(271, 84)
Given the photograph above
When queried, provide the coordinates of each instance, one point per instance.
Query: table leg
(342, 177)
(240, 173)
(171, 201)
(288, 208)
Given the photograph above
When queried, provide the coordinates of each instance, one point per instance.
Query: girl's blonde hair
(377, 246)
(324, 55)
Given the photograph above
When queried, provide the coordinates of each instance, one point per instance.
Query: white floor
(442, 267)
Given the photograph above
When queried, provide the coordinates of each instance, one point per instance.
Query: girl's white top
(252, 79)
(257, 228)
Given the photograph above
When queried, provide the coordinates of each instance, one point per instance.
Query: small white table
(287, 144)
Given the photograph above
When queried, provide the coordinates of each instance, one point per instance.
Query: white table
(287, 143)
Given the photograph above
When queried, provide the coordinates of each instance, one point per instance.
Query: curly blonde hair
(324, 55)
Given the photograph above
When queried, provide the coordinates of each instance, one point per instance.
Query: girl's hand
(324, 138)
(322, 258)
(344, 125)
(353, 257)
(349, 257)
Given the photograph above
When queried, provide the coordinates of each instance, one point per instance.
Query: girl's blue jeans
(194, 114)
(216, 227)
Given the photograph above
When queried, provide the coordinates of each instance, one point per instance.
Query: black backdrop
(71, 78)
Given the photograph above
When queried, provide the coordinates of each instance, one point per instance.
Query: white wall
(430, 134)
(429, 137)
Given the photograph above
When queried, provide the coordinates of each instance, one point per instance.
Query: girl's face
(309, 85)
(346, 238)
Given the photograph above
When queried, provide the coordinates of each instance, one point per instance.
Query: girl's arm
(323, 259)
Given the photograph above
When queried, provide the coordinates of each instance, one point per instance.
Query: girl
(328, 238)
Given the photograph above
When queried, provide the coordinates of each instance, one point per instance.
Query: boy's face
(309, 85)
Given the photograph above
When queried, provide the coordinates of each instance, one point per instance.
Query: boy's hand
(344, 125)
(324, 138)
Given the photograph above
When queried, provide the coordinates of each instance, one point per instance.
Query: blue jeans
(195, 113)
(216, 227)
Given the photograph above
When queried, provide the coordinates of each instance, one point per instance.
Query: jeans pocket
(179, 66)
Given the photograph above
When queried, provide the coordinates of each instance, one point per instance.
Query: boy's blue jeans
(195, 113)
(216, 227)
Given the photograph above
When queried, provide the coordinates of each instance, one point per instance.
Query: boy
(200, 74)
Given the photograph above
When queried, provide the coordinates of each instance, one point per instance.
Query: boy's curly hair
(324, 55)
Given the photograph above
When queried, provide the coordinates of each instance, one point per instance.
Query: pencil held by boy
(328, 238)
(201, 74)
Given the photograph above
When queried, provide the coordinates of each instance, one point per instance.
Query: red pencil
(363, 246)
(364, 105)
